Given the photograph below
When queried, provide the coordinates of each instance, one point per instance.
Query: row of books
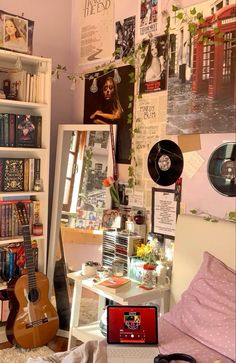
(19, 174)
(12, 260)
(12, 264)
(9, 222)
(29, 87)
(20, 130)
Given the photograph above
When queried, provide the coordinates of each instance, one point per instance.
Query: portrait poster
(109, 100)
(125, 37)
(148, 16)
(154, 65)
(16, 33)
(97, 30)
(201, 83)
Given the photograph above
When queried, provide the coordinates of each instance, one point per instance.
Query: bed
(201, 320)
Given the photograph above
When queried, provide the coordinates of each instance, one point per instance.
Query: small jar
(117, 268)
(38, 185)
(37, 229)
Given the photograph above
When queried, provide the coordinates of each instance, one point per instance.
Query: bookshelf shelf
(21, 104)
(19, 239)
(22, 194)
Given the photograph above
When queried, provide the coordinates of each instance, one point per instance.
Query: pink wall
(52, 39)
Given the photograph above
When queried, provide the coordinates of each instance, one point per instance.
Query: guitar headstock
(22, 213)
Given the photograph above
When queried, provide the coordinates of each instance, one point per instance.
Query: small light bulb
(117, 78)
(94, 87)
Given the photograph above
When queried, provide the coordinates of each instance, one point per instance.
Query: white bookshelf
(31, 64)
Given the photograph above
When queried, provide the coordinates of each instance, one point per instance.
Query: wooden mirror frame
(62, 152)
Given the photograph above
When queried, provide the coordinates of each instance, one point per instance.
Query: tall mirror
(84, 158)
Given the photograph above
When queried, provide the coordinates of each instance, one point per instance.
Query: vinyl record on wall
(221, 169)
(165, 162)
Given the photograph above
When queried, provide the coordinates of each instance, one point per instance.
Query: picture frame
(165, 208)
(16, 33)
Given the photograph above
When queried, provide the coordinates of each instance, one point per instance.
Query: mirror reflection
(84, 160)
(84, 195)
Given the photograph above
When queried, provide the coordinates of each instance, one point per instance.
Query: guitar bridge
(36, 323)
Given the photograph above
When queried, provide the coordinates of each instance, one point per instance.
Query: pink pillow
(206, 310)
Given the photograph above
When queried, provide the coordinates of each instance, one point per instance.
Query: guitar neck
(30, 265)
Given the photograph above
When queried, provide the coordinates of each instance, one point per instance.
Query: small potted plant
(89, 268)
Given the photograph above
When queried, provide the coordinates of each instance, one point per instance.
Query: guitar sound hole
(33, 295)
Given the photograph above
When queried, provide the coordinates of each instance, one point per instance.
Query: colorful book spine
(12, 129)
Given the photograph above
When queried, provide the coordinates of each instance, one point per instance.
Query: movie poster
(125, 37)
(96, 23)
(153, 74)
(148, 16)
(201, 83)
(109, 100)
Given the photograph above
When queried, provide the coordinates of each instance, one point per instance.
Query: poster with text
(154, 65)
(148, 16)
(97, 34)
(202, 74)
(125, 37)
(109, 100)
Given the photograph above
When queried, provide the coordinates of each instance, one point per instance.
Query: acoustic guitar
(32, 321)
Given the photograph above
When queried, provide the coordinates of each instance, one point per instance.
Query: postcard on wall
(154, 66)
(109, 100)
(16, 33)
(97, 30)
(125, 37)
(148, 16)
(202, 76)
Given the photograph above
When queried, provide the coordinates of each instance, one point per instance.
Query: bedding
(207, 309)
(173, 340)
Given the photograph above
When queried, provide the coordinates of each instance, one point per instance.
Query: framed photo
(164, 212)
(16, 33)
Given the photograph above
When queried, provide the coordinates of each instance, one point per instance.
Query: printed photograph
(154, 66)
(125, 37)
(109, 100)
(16, 33)
(201, 84)
(148, 16)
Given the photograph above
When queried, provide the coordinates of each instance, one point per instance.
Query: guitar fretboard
(30, 265)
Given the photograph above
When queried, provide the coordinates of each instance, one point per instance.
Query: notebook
(132, 334)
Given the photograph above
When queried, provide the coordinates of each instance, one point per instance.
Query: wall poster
(125, 37)
(202, 76)
(148, 16)
(109, 100)
(96, 23)
(154, 65)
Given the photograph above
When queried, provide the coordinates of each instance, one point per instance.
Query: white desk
(130, 294)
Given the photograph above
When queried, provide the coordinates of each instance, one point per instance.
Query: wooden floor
(58, 344)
